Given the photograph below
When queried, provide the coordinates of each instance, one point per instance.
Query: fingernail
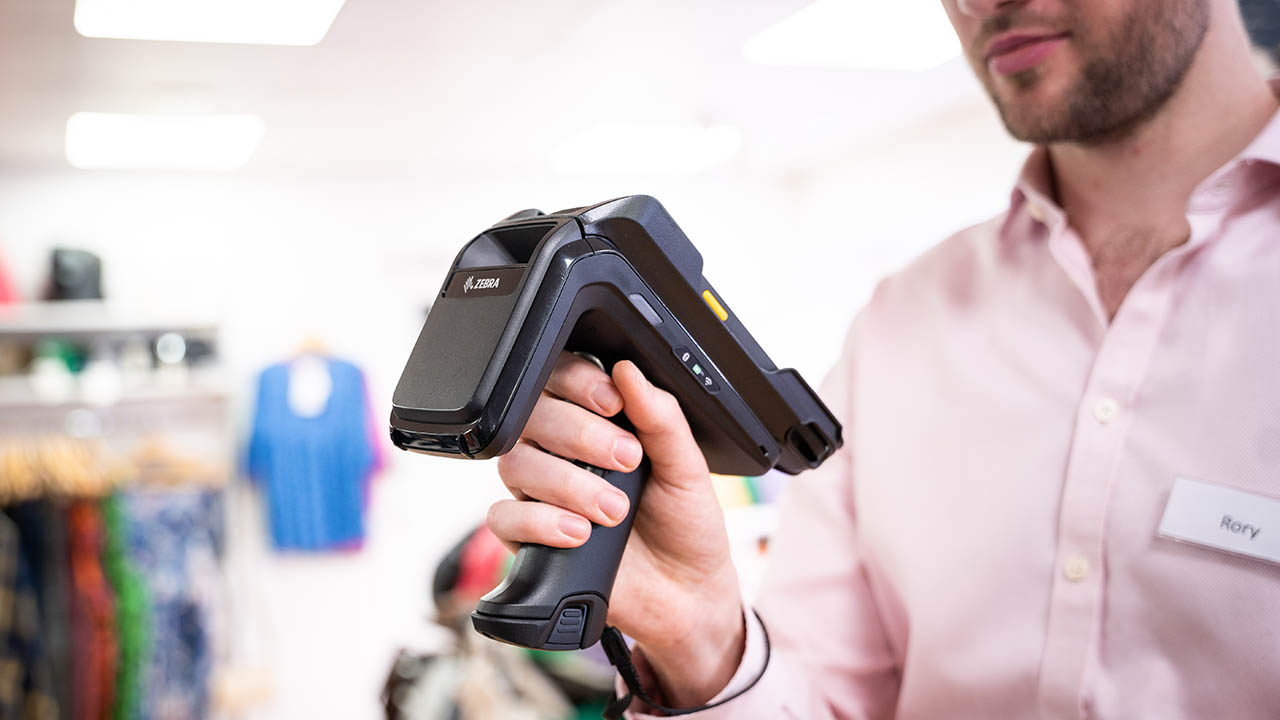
(574, 526)
(606, 397)
(613, 503)
(626, 451)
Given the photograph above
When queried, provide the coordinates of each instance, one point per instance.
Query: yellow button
(715, 305)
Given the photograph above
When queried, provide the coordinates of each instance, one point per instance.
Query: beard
(1129, 71)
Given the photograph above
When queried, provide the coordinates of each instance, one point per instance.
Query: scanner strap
(615, 647)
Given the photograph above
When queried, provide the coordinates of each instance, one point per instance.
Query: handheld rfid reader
(618, 280)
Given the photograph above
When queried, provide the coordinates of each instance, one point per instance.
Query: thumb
(662, 428)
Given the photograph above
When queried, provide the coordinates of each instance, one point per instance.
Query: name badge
(1223, 519)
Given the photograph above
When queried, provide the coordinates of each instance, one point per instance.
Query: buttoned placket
(1102, 420)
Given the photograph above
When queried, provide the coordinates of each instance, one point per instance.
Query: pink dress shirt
(984, 545)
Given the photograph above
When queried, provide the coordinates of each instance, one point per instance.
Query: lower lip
(1025, 57)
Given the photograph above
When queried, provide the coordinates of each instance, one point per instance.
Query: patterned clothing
(174, 536)
(25, 682)
(93, 617)
(42, 527)
(132, 611)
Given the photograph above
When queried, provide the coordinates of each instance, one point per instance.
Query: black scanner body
(618, 280)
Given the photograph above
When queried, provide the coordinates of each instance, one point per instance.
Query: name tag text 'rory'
(1223, 519)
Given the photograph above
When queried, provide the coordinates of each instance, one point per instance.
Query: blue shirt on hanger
(313, 468)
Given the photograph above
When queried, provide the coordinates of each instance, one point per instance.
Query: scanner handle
(558, 598)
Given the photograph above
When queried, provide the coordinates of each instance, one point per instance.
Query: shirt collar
(1034, 187)
(1266, 145)
(1034, 190)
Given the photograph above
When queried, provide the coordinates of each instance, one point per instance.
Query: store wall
(354, 260)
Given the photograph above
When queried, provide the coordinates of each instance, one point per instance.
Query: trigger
(591, 359)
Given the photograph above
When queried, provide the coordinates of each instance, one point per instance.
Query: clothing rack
(111, 516)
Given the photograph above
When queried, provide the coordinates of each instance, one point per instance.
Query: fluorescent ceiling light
(263, 22)
(896, 35)
(169, 142)
(644, 149)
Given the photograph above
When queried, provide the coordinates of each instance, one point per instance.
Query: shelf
(199, 386)
(139, 411)
(97, 318)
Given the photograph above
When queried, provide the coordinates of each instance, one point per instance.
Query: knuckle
(573, 370)
(579, 390)
(533, 525)
(573, 375)
(513, 487)
(493, 518)
(583, 436)
(539, 410)
(578, 489)
(666, 403)
(509, 465)
(506, 464)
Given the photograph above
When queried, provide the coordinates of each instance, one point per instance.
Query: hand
(676, 592)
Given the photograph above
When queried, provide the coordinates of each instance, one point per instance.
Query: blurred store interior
(220, 221)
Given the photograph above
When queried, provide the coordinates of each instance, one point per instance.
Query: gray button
(645, 309)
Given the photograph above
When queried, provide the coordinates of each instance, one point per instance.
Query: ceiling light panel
(261, 22)
(162, 142)
(911, 35)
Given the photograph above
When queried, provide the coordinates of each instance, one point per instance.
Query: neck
(1140, 184)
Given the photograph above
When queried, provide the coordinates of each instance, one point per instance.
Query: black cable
(615, 647)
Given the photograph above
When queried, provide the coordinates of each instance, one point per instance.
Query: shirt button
(1076, 568)
(1105, 410)
(1036, 211)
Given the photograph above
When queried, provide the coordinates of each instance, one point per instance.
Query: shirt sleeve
(830, 659)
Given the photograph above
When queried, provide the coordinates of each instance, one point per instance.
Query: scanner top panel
(468, 333)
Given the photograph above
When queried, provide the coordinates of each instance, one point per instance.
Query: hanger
(311, 345)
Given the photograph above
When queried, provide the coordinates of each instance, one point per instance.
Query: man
(1017, 406)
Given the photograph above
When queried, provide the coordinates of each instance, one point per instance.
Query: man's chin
(1031, 107)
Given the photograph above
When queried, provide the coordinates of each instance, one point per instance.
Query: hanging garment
(314, 469)
(42, 528)
(132, 610)
(93, 616)
(25, 682)
(173, 539)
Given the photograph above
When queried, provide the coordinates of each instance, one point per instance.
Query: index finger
(582, 382)
(662, 428)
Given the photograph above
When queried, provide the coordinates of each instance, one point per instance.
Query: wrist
(701, 660)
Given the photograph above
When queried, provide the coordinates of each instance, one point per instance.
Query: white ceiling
(443, 89)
